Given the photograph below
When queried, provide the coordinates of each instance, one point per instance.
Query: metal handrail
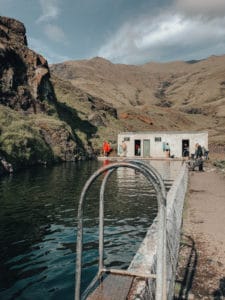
(152, 176)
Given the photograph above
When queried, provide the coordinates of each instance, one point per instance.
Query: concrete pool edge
(145, 258)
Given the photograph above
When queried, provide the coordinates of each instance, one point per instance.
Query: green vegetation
(24, 146)
(73, 126)
(75, 108)
(30, 139)
(21, 142)
(219, 164)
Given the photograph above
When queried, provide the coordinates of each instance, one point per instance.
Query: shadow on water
(38, 211)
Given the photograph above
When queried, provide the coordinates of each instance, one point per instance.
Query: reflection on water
(38, 211)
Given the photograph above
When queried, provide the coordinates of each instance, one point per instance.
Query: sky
(122, 31)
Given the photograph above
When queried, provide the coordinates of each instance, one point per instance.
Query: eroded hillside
(67, 115)
(34, 127)
(156, 96)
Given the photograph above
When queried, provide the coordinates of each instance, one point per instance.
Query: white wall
(174, 139)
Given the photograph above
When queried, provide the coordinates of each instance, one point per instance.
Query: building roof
(164, 132)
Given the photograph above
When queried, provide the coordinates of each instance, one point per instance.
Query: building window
(126, 139)
(157, 139)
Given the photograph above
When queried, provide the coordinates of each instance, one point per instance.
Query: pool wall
(145, 259)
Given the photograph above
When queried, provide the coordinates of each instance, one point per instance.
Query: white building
(154, 143)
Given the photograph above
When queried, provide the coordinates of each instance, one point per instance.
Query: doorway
(137, 147)
(146, 148)
(185, 148)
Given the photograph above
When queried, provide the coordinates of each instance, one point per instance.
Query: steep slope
(180, 83)
(91, 118)
(155, 96)
(119, 85)
(30, 130)
(24, 74)
(34, 126)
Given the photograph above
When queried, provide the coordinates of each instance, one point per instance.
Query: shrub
(22, 145)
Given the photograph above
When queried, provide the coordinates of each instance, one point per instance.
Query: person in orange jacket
(106, 148)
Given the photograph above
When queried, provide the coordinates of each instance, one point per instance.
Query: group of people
(106, 148)
(200, 152)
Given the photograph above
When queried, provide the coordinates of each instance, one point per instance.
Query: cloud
(54, 33)
(50, 10)
(40, 47)
(206, 8)
(169, 36)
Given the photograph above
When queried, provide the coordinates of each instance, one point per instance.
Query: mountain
(65, 112)
(34, 127)
(156, 96)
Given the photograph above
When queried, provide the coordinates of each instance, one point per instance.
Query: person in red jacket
(106, 148)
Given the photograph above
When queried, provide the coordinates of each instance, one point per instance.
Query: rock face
(31, 131)
(24, 74)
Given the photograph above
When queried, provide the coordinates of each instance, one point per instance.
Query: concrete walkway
(201, 267)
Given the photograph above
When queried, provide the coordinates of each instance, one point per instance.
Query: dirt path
(201, 268)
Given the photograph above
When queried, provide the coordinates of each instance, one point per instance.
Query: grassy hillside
(90, 118)
(30, 139)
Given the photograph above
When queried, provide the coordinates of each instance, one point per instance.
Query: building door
(137, 147)
(185, 148)
(146, 148)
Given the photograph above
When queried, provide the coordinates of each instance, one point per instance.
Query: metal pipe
(153, 176)
(101, 221)
(128, 273)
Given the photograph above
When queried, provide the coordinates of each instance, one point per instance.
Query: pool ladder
(155, 179)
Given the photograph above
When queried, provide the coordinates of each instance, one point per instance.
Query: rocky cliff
(24, 74)
(30, 130)
(37, 125)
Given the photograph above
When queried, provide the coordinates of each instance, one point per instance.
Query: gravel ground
(201, 266)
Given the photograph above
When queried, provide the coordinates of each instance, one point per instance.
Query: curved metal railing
(155, 179)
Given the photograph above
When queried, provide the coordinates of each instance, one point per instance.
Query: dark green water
(38, 211)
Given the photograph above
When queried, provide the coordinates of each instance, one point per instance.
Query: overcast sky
(123, 31)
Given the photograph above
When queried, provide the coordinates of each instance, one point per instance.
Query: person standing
(167, 149)
(198, 151)
(186, 151)
(124, 148)
(198, 156)
(106, 148)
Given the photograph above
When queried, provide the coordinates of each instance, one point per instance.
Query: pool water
(38, 211)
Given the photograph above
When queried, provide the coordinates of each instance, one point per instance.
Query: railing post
(101, 221)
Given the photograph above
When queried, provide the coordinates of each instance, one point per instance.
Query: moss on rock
(33, 139)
